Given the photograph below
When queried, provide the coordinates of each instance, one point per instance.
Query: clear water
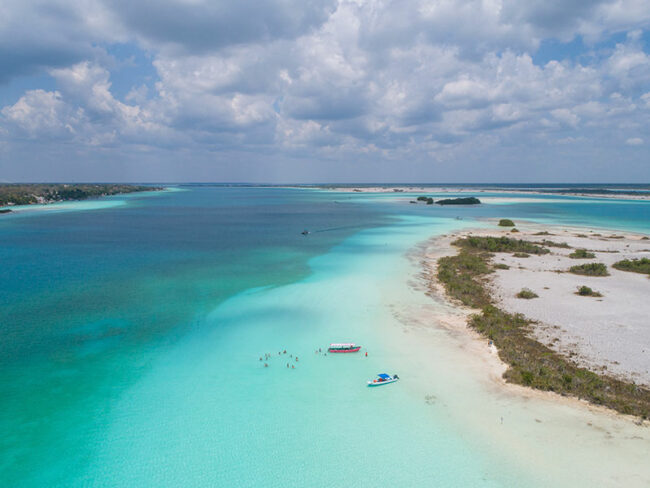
(130, 338)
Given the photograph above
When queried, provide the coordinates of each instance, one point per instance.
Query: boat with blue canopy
(383, 379)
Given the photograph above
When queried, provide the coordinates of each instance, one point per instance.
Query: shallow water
(131, 339)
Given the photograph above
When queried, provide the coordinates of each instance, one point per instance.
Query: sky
(299, 91)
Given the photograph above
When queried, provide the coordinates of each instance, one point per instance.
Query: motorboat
(383, 379)
(345, 347)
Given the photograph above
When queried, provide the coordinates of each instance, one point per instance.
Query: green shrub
(422, 199)
(645, 238)
(506, 223)
(634, 265)
(499, 244)
(501, 266)
(527, 294)
(585, 291)
(521, 255)
(590, 269)
(582, 254)
(429, 201)
(514, 230)
(543, 233)
(548, 243)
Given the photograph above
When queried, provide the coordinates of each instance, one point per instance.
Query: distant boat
(305, 232)
(347, 347)
(383, 379)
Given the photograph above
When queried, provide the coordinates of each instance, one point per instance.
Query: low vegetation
(585, 291)
(506, 223)
(548, 243)
(582, 254)
(543, 233)
(589, 269)
(499, 244)
(501, 266)
(530, 362)
(527, 293)
(26, 194)
(521, 255)
(514, 230)
(534, 364)
(635, 265)
(461, 276)
(459, 201)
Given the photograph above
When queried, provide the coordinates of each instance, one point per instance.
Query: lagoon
(131, 338)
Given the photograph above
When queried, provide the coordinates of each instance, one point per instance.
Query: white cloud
(390, 79)
(634, 141)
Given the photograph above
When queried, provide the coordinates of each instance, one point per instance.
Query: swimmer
(287, 365)
(319, 350)
(284, 352)
(266, 365)
(296, 358)
(293, 367)
(260, 358)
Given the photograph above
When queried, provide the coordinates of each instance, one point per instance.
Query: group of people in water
(268, 356)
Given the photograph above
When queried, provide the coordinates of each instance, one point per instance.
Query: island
(459, 201)
(28, 194)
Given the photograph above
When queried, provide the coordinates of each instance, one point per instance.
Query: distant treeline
(26, 194)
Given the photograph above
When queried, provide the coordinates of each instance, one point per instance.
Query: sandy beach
(606, 334)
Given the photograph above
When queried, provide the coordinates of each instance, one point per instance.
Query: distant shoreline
(43, 194)
(578, 191)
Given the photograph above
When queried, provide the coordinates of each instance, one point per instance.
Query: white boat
(383, 379)
(346, 347)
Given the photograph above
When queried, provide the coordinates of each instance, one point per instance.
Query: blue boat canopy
(384, 376)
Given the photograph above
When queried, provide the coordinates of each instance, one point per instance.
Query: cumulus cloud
(634, 141)
(339, 80)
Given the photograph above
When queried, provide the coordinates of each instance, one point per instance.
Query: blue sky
(325, 90)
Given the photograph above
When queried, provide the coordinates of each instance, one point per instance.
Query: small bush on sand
(501, 266)
(514, 230)
(506, 223)
(521, 255)
(548, 243)
(635, 265)
(582, 254)
(585, 291)
(590, 269)
(527, 294)
(543, 233)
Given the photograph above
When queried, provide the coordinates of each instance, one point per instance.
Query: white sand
(610, 333)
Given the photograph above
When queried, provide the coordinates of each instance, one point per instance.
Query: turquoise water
(130, 338)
